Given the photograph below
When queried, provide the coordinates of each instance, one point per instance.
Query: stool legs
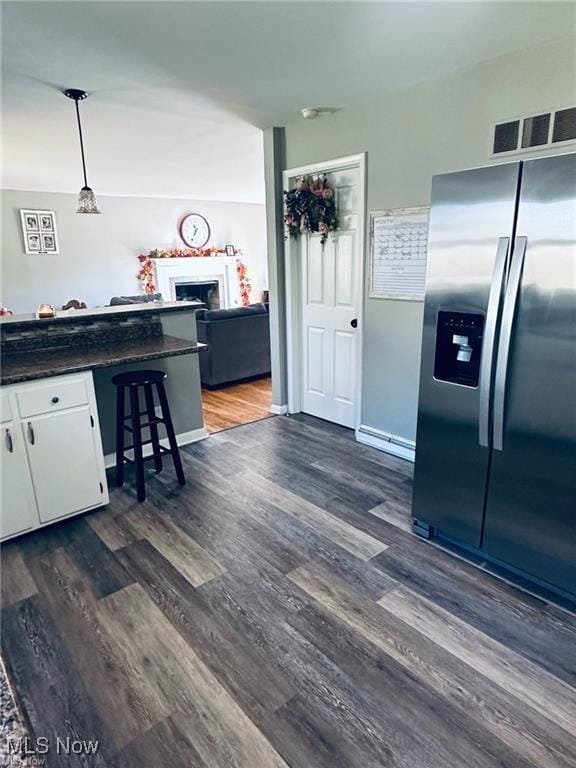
(153, 427)
(120, 436)
(137, 438)
(170, 433)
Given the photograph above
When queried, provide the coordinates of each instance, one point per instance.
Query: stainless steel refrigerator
(495, 465)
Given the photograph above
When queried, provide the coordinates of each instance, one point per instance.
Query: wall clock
(194, 230)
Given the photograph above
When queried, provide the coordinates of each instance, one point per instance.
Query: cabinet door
(17, 513)
(64, 463)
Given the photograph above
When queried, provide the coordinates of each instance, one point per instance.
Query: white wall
(432, 128)
(97, 256)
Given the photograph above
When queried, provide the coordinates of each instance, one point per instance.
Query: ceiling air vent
(535, 131)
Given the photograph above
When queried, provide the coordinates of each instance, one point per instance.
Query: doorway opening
(237, 404)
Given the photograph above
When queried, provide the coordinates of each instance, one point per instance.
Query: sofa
(238, 344)
(141, 298)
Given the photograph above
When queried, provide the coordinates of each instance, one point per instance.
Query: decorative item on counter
(4, 312)
(44, 311)
(310, 208)
(86, 197)
(39, 231)
(74, 304)
(230, 250)
(245, 284)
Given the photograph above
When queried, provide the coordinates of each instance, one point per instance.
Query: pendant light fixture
(86, 199)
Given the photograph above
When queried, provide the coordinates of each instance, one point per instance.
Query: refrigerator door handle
(486, 361)
(508, 312)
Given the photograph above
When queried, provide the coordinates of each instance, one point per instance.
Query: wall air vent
(524, 134)
(535, 131)
(564, 125)
(506, 136)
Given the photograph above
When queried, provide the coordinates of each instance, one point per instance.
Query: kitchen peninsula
(56, 377)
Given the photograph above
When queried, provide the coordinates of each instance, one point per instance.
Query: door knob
(354, 323)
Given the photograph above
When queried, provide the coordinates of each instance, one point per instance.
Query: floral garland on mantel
(146, 271)
(310, 207)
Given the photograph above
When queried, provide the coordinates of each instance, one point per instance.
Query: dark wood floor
(276, 612)
(237, 404)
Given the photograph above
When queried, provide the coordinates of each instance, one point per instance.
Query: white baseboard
(376, 438)
(279, 410)
(184, 438)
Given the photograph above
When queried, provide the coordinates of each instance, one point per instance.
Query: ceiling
(180, 90)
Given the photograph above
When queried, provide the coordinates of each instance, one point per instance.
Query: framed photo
(46, 222)
(48, 242)
(31, 222)
(39, 231)
(33, 243)
(230, 251)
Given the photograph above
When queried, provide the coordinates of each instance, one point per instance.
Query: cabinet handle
(31, 436)
(9, 443)
(55, 400)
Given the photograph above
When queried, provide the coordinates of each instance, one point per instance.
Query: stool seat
(138, 378)
(133, 383)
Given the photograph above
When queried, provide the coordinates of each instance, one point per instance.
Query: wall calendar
(398, 246)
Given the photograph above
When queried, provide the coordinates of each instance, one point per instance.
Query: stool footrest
(145, 442)
(150, 423)
(140, 414)
(163, 452)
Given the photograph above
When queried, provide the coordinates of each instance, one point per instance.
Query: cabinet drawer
(51, 396)
(5, 407)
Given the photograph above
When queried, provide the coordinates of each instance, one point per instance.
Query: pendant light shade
(86, 199)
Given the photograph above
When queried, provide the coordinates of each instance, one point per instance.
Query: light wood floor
(276, 612)
(237, 404)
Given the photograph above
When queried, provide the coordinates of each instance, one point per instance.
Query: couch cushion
(140, 299)
(229, 314)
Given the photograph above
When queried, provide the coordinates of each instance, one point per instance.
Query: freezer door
(471, 226)
(531, 504)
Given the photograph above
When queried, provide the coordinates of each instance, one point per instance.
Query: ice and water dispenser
(458, 347)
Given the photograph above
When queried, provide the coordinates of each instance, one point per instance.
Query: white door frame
(294, 284)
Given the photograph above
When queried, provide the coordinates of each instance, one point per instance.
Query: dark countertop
(19, 366)
(150, 307)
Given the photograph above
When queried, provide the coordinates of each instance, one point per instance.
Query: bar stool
(134, 382)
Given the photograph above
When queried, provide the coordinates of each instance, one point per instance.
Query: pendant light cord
(81, 142)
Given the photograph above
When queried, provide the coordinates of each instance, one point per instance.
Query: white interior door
(330, 307)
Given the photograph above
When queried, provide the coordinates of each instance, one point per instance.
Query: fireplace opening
(208, 292)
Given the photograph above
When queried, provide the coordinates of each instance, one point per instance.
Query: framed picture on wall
(33, 243)
(39, 231)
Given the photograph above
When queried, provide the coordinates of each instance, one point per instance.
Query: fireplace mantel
(170, 272)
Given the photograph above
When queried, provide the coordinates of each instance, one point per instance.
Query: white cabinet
(17, 496)
(51, 461)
